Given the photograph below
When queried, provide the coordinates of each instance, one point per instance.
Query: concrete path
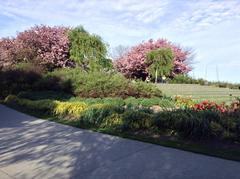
(35, 148)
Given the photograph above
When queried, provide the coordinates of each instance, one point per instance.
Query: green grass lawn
(199, 92)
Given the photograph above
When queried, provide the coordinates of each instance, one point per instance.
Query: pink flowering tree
(133, 64)
(44, 45)
(49, 45)
(7, 52)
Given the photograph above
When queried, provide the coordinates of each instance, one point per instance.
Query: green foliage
(184, 102)
(136, 119)
(160, 62)
(88, 51)
(16, 80)
(146, 90)
(53, 107)
(96, 115)
(113, 121)
(116, 101)
(30, 77)
(189, 124)
(99, 84)
(38, 95)
(185, 79)
(217, 129)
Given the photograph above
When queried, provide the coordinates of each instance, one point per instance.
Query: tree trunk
(156, 75)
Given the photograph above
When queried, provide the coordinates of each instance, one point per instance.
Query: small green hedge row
(187, 124)
(185, 79)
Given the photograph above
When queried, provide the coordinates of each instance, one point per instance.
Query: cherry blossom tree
(44, 45)
(133, 64)
(7, 52)
(49, 45)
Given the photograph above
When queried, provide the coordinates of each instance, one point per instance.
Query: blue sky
(210, 27)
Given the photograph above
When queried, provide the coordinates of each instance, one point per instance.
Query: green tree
(86, 50)
(160, 62)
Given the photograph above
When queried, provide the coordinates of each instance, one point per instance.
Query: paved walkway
(35, 148)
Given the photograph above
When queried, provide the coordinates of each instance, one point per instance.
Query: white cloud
(200, 15)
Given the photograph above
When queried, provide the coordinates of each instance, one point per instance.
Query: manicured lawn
(199, 92)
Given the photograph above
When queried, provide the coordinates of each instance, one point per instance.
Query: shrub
(40, 106)
(184, 102)
(136, 119)
(69, 108)
(17, 80)
(99, 84)
(207, 105)
(216, 129)
(113, 122)
(147, 90)
(187, 123)
(30, 77)
(95, 115)
(194, 125)
(185, 79)
(38, 95)
(52, 107)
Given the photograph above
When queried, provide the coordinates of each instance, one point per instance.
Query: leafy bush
(207, 105)
(185, 79)
(52, 107)
(143, 89)
(96, 114)
(184, 102)
(68, 108)
(187, 123)
(136, 119)
(44, 106)
(99, 84)
(38, 95)
(30, 77)
(113, 121)
(17, 80)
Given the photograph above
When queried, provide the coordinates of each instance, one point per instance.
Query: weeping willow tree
(87, 50)
(160, 62)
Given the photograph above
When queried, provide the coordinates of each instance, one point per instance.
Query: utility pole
(206, 72)
(217, 73)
